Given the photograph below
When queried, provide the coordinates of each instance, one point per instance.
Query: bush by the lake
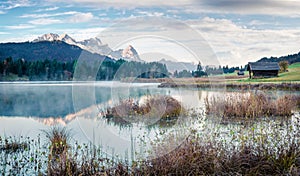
(250, 105)
(154, 107)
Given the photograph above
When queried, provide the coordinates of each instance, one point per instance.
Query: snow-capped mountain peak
(66, 38)
(93, 45)
(131, 53)
(47, 37)
(92, 41)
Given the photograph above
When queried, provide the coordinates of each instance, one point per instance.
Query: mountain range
(65, 48)
(93, 45)
(51, 50)
(172, 66)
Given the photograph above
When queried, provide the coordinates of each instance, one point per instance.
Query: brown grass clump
(267, 152)
(250, 105)
(76, 159)
(58, 138)
(12, 145)
(156, 107)
(296, 99)
(211, 158)
(58, 158)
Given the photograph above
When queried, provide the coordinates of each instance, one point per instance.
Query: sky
(233, 32)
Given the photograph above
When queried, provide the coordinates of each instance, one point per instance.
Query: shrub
(283, 66)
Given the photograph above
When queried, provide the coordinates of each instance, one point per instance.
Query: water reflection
(27, 108)
(55, 99)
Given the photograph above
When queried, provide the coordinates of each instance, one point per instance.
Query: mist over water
(28, 108)
(36, 100)
(54, 99)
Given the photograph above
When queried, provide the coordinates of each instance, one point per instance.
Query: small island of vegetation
(154, 108)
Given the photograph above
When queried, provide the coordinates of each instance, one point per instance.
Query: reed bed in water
(251, 105)
(155, 108)
(252, 150)
(69, 159)
(252, 157)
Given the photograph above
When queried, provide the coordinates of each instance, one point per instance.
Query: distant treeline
(291, 58)
(53, 70)
(207, 70)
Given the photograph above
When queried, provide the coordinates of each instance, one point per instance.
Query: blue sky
(237, 31)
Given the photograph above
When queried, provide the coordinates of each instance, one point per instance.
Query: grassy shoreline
(289, 80)
(239, 86)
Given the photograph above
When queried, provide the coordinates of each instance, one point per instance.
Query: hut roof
(263, 66)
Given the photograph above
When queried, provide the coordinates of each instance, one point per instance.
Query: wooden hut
(263, 69)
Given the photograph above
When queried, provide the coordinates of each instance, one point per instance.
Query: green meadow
(292, 75)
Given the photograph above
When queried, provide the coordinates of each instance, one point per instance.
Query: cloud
(46, 18)
(233, 43)
(46, 15)
(45, 21)
(236, 45)
(20, 26)
(268, 7)
(47, 9)
(128, 3)
(4, 33)
(102, 14)
(19, 38)
(81, 17)
(150, 14)
(82, 34)
(11, 4)
(240, 3)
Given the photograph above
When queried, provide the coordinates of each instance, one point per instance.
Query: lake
(27, 108)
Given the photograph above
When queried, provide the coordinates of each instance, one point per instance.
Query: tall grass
(154, 109)
(77, 159)
(22, 156)
(266, 152)
(195, 159)
(12, 145)
(250, 105)
(264, 148)
(59, 162)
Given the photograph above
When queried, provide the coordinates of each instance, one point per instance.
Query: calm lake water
(27, 108)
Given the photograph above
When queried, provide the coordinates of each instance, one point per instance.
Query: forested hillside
(39, 51)
(45, 70)
(292, 58)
